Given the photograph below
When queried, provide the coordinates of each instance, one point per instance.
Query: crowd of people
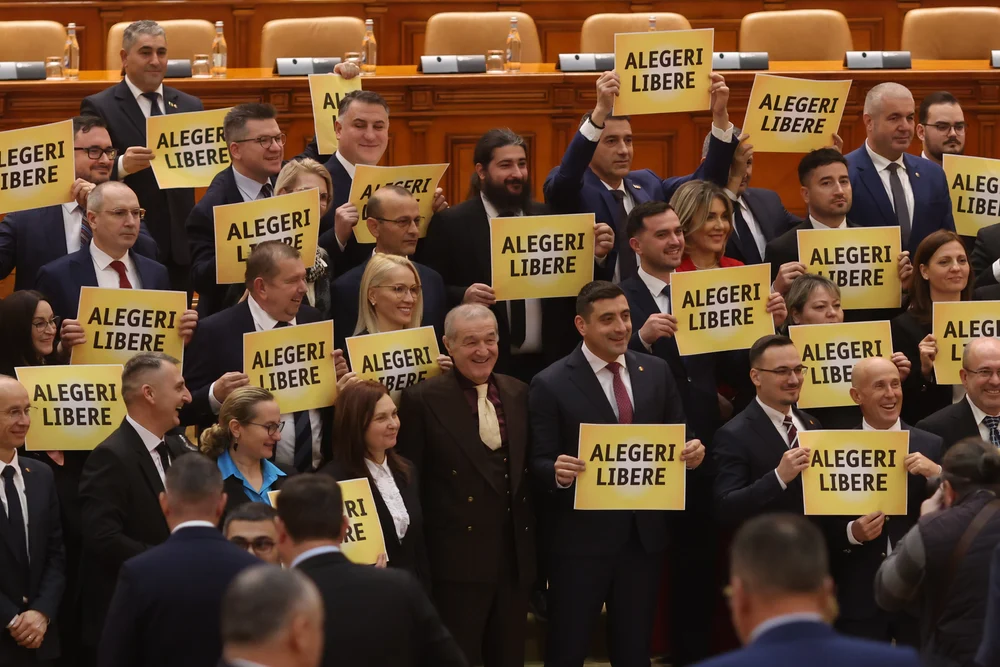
(159, 548)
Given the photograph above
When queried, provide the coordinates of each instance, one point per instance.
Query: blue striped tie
(991, 424)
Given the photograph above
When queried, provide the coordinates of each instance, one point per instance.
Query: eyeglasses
(403, 223)
(125, 212)
(945, 128)
(784, 372)
(983, 373)
(42, 325)
(272, 427)
(95, 152)
(400, 290)
(16, 413)
(265, 142)
(260, 545)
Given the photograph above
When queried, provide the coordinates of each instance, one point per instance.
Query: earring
(236, 445)
(373, 304)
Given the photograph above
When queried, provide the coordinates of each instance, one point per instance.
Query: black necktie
(302, 458)
(154, 107)
(899, 203)
(266, 191)
(751, 253)
(626, 258)
(15, 517)
(164, 453)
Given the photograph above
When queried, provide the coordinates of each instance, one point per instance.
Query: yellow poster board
(666, 71)
(721, 309)
(854, 473)
(190, 148)
(631, 467)
(73, 407)
(37, 167)
(829, 352)
(326, 91)
(862, 261)
(541, 256)
(119, 323)
(293, 363)
(397, 359)
(788, 115)
(419, 179)
(292, 219)
(975, 191)
(363, 540)
(954, 324)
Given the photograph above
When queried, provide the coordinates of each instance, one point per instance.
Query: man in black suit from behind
(125, 107)
(179, 583)
(374, 616)
(600, 558)
(122, 480)
(32, 559)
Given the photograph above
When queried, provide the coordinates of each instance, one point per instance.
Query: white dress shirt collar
(348, 167)
(260, 317)
(14, 464)
(491, 210)
(248, 187)
(317, 551)
(777, 417)
(882, 163)
(193, 524)
(784, 619)
(375, 468)
(977, 414)
(136, 93)
(103, 259)
(865, 426)
(652, 283)
(149, 440)
(597, 363)
(816, 224)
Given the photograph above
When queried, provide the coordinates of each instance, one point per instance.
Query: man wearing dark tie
(600, 559)
(892, 187)
(32, 559)
(125, 108)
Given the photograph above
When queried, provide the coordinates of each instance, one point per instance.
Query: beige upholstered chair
(803, 34)
(598, 33)
(475, 33)
(952, 33)
(326, 37)
(31, 40)
(185, 38)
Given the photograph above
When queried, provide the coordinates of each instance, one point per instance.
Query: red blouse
(724, 263)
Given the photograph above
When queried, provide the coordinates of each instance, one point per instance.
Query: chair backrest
(951, 33)
(185, 38)
(802, 34)
(475, 33)
(598, 33)
(31, 40)
(326, 37)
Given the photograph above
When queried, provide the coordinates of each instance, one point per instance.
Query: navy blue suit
(354, 253)
(60, 281)
(872, 208)
(178, 584)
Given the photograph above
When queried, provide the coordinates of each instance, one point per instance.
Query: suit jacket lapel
(643, 391)
(479, 234)
(144, 458)
(607, 215)
(921, 196)
(639, 195)
(170, 96)
(583, 377)
(516, 421)
(873, 183)
(54, 230)
(761, 423)
(141, 267)
(36, 501)
(82, 267)
(130, 107)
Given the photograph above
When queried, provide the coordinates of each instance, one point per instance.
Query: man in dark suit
(917, 199)
(978, 414)
(781, 602)
(125, 108)
(122, 480)
(600, 558)
(394, 220)
(608, 187)
(757, 454)
(32, 559)
(408, 632)
(33, 238)
(179, 583)
(942, 126)
(467, 433)
(533, 332)
(985, 257)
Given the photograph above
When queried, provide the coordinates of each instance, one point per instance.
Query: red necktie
(119, 268)
(621, 394)
(793, 433)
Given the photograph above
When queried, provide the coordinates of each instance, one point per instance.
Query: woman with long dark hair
(30, 331)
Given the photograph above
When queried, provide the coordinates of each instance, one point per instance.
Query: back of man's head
(193, 490)
(310, 508)
(778, 554)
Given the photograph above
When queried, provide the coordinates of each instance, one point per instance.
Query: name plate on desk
(877, 60)
(11, 71)
(178, 69)
(452, 64)
(730, 60)
(304, 66)
(995, 58)
(586, 62)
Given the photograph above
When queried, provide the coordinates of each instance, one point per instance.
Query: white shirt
(784, 619)
(778, 419)
(317, 551)
(607, 378)
(816, 224)
(249, 188)
(882, 167)
(655, 287)
(865, 426)
(145, 106)
(19, 487)
(979, 416)
(387, 488)
(532, 307)
(151, 442)
(108, 277)
(193, 524)
(755, 230)
(72, 225)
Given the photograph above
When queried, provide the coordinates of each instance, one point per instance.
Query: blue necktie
(991, 424)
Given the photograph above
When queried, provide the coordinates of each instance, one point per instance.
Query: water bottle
(71, 54)
(513, 48)
(219, 52)
(369, 50)
(652, 23)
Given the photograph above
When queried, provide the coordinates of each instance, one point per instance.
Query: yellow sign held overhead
(788, 115)
(954, 324)
(397, 359)
(830, 351)
(293, 363)
(862, 261)
(37, 166)
(326, 91)
(667, 71)
(190, 148)
(420, 179)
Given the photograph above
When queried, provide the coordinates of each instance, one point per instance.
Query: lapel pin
(27, 469)
(641, 368)
(637, 186)
(917, 174)
(172, 105)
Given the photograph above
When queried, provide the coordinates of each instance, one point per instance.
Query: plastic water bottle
(513, 63)
(369, 50)
(71, 54)
(652, 23)
(220, 54)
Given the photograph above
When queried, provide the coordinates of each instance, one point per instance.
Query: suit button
(525, 471)
(883, 555)
(505, 459)
(470, 499)
(506, 476)
(525, 529)
(887, 518)
(468, 528)
(690, 380)
(454, 473)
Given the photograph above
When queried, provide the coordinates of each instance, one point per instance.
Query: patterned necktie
(86, 233)
(748, 244)
(123, 281)
(899, 203)
(15, 517)
(621, 394)
(626, 256)
(489, 425)
(266, 191)
(793, 433)
(154, 106)
(991, 424)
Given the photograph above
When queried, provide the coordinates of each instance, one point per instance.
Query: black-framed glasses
(945, 128)
(265, 142)
(42, 325)
(400, 290)
(272, 427)
(983, 373)
(95, 152)
(123, 212)
(403, 223)
(785, 372)
(260, 545)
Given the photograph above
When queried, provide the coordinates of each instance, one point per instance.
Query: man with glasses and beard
(942, 126)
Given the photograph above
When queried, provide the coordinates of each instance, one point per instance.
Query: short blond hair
(692, 202)
(292, 173)
(378, 268)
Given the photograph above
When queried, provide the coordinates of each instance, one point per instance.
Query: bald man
(858, 547)
(32, 569)
(892, 187)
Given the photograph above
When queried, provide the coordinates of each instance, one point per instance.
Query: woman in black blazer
(364, 436)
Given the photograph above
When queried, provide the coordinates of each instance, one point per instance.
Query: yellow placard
(74, 408)
(667, 71)
(292, 218)
(975, 191)
(37, 167)
(861, 261)
(631, 467)
(721, 309)
(541, 256)
(397, 359)
(955, 323)
(420, 179)
(829, 352)
(788, 115)
(190, 148)
(854, 473)
(326, 90)
(293, 363)
(119, 323)
(272, 497)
